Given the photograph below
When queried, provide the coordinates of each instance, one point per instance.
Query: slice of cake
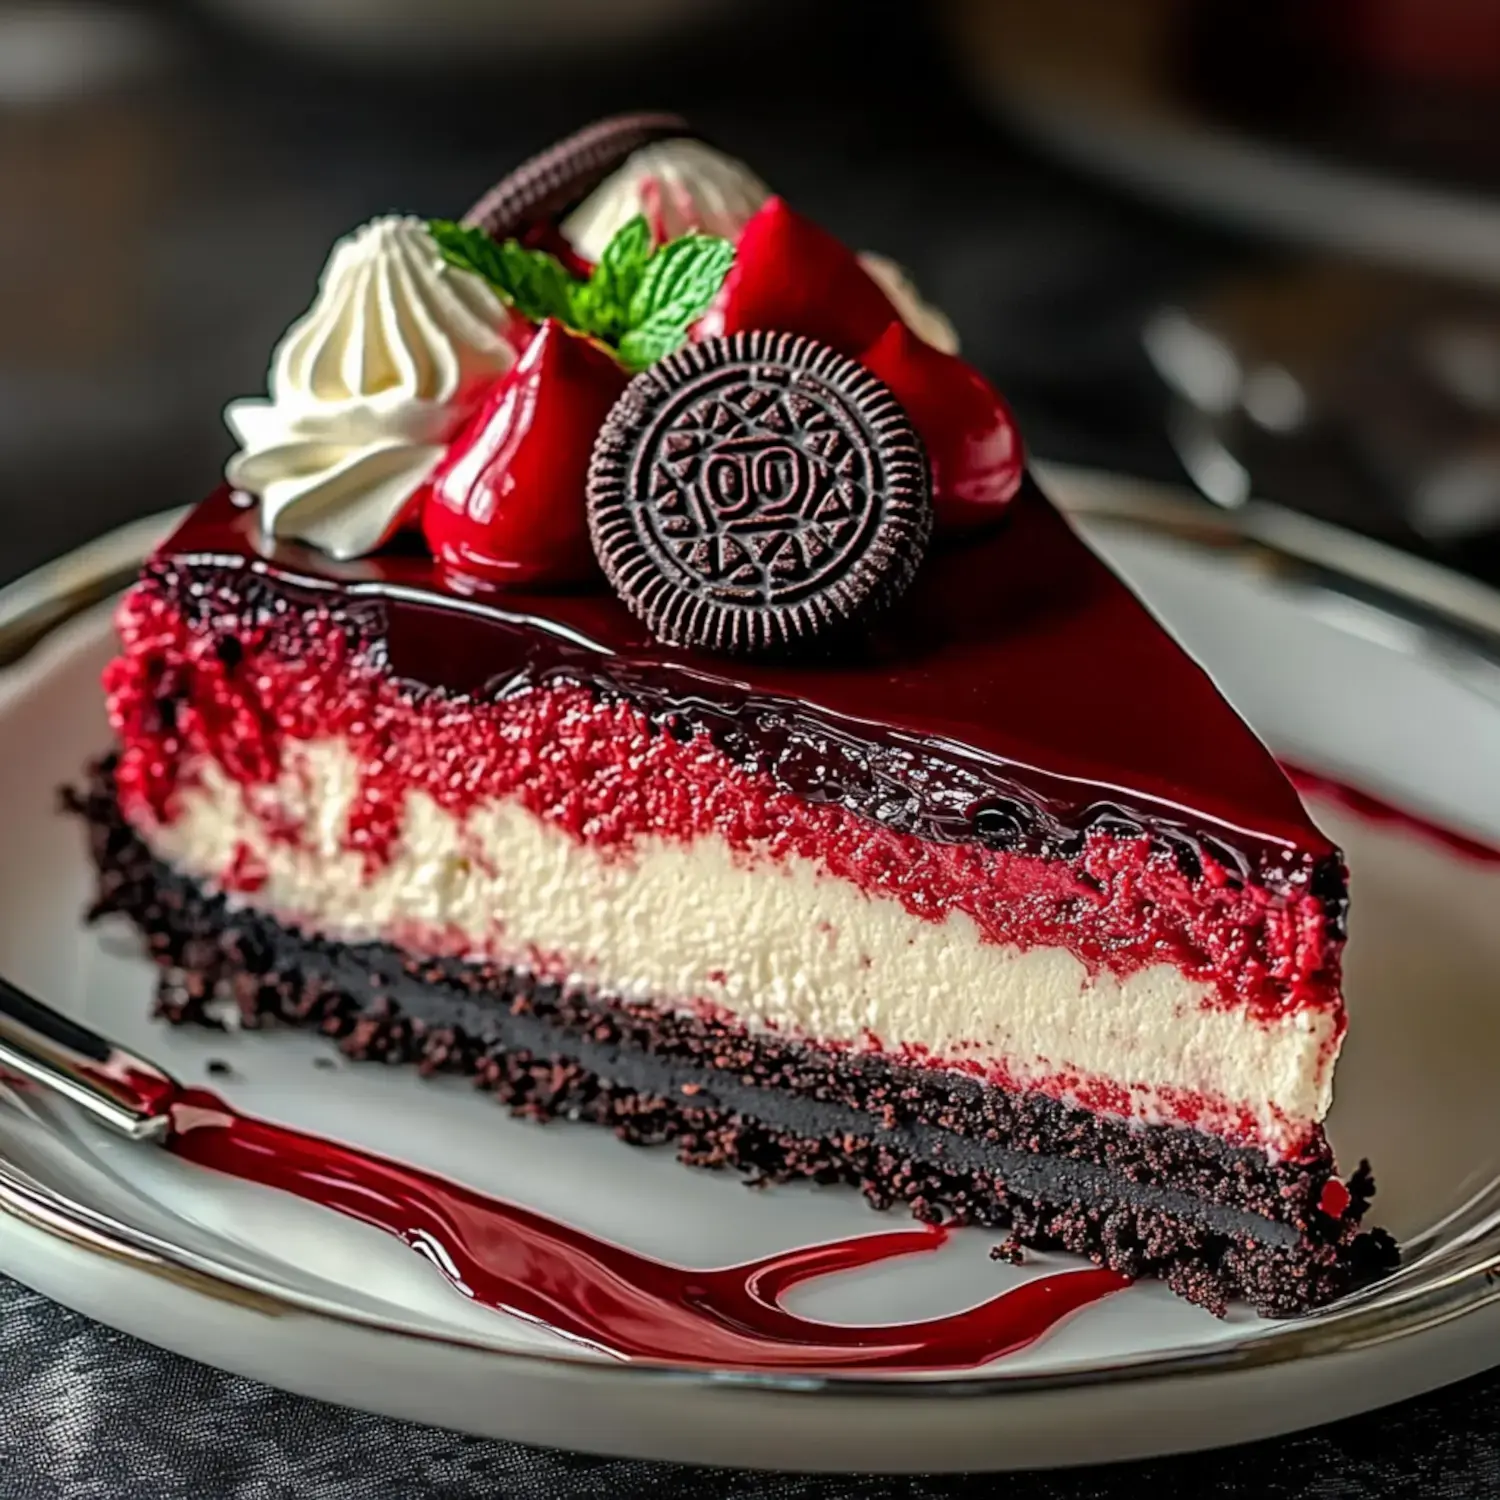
(639, 676)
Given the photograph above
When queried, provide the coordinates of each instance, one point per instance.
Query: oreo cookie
(555, 179)
(758, 493)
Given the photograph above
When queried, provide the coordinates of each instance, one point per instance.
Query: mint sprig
(681, 278)
(640, 300)
(613, 284)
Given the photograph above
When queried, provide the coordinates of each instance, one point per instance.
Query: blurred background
(1249, 245)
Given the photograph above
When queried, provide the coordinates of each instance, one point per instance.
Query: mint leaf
(657, 337)
(675, 289)
(615, 279)
(468, 249)
(680, 280)
(639, 301)
(536, 284)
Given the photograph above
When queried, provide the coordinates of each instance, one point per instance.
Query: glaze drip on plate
(613, 1300)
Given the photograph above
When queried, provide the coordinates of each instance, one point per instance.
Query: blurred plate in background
(1098, 83)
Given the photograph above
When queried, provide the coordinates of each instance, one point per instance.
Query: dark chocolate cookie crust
(1215, 1223)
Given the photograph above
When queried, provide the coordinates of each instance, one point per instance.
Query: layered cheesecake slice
(1012, 920)
(711, 734)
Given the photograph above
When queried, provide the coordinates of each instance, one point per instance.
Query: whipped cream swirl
(680, 185)
(366, 389)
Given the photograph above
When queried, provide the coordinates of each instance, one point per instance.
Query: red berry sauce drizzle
(1372, 809)
(611, 1299)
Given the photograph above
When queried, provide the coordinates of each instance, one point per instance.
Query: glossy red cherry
(971, 437)
(791, 274)
(506, 505)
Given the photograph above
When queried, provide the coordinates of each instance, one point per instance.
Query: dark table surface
(156, 237)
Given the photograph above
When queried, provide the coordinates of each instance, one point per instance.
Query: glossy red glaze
(599, 1294)
(791, 274)
(506, 506)
(606, 776)
(1018, 648)
(973, 444)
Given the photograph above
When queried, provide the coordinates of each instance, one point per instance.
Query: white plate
(1085, 79)
(1385, 694)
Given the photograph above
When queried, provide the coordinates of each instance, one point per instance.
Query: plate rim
(1449, 617)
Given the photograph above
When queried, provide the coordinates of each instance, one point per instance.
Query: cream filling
(778, 943)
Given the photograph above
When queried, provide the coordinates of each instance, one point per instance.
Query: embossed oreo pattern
(555, 179)
(752, 493)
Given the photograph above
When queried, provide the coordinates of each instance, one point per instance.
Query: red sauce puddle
(632, 1306)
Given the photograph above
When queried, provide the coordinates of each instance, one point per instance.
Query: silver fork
(125, 1092)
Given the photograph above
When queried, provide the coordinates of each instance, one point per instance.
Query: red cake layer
(1016, 652)
(606, 775)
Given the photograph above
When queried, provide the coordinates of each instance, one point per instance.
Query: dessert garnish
(398, 400)
(679, 185)
(640, 300)
(972, 443)
(366, 389)
(752, 493)
(506, 505)
(376, 393)
(554, 180)
(792, 274)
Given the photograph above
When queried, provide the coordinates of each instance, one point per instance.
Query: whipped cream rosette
(367, 388)
(679, 186)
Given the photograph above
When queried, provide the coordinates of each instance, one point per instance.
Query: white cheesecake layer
(778, 944)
